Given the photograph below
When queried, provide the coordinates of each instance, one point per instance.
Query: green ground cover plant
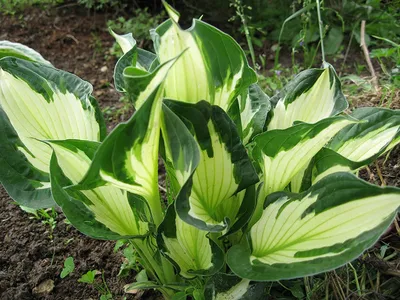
(260, 189)
(12, 7)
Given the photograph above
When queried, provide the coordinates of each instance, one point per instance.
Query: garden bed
(74, 42)
(30, 253)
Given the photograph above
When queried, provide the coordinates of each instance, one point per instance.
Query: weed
(100, 4)
(69, 267)
(130, 261)
(68, 241)
(389, 60)
(12, 7)
(48, 217)
(97, 45)
(274, 80)
(102, 288)
(119, 112)
(241, 14)
(89, 277)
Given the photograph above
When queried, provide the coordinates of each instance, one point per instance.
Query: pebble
(44, 287)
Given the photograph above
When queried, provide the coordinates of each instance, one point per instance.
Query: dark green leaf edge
(19, 177)
(346, 187)
(168, 229)
(129, 59)
(72, 205)
(18, 50)
(303, 82)
(123, 136)
(221, 283)
(196, 117)
(373, 118)
(274, 141)
(210, 38)
(245, 213)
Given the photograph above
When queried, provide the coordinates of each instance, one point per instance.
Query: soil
(72, 41)
(29, 257)
(79, 43)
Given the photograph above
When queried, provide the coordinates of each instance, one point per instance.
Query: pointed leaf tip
(172, 12)
(125, 41)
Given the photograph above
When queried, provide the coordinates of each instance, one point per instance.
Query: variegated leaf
(311, 96)
(281, 154)
(133, 57)
(250, 111)
(128, 157)
(224, 168)
(358, 145)
(104, 212)
(39, 102)
(223, 286)
(125, 41)
(21, 51)
(359, 142)
(139, 84)
(214, 67)
(320, 229)
(190, 249)
(182, 153)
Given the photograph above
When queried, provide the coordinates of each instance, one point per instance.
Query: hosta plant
(258, 189)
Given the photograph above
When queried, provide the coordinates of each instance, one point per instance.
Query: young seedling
(48, 217)
(69, 267)
(89, 277)
(130, 262)
(102, 288)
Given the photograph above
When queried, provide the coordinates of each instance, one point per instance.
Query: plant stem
(307, 287)
(156, 208)
(155, 200)
(160, 268)
(356, 280)
(347, 53)
(320, 24)
(240, 12)
(367, 58)
(326, 287)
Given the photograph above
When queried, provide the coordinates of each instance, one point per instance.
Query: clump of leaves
(12, 7)
(130, 259)
(47, 216)
(260, 189)
(389, 60)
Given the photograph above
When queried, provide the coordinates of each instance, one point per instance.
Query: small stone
(7, 239)
(103, 69)
(98, 93)
(44, 287)
(103, 82)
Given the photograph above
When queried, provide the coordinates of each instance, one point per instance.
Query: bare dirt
(29, 257)
(78, 43)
